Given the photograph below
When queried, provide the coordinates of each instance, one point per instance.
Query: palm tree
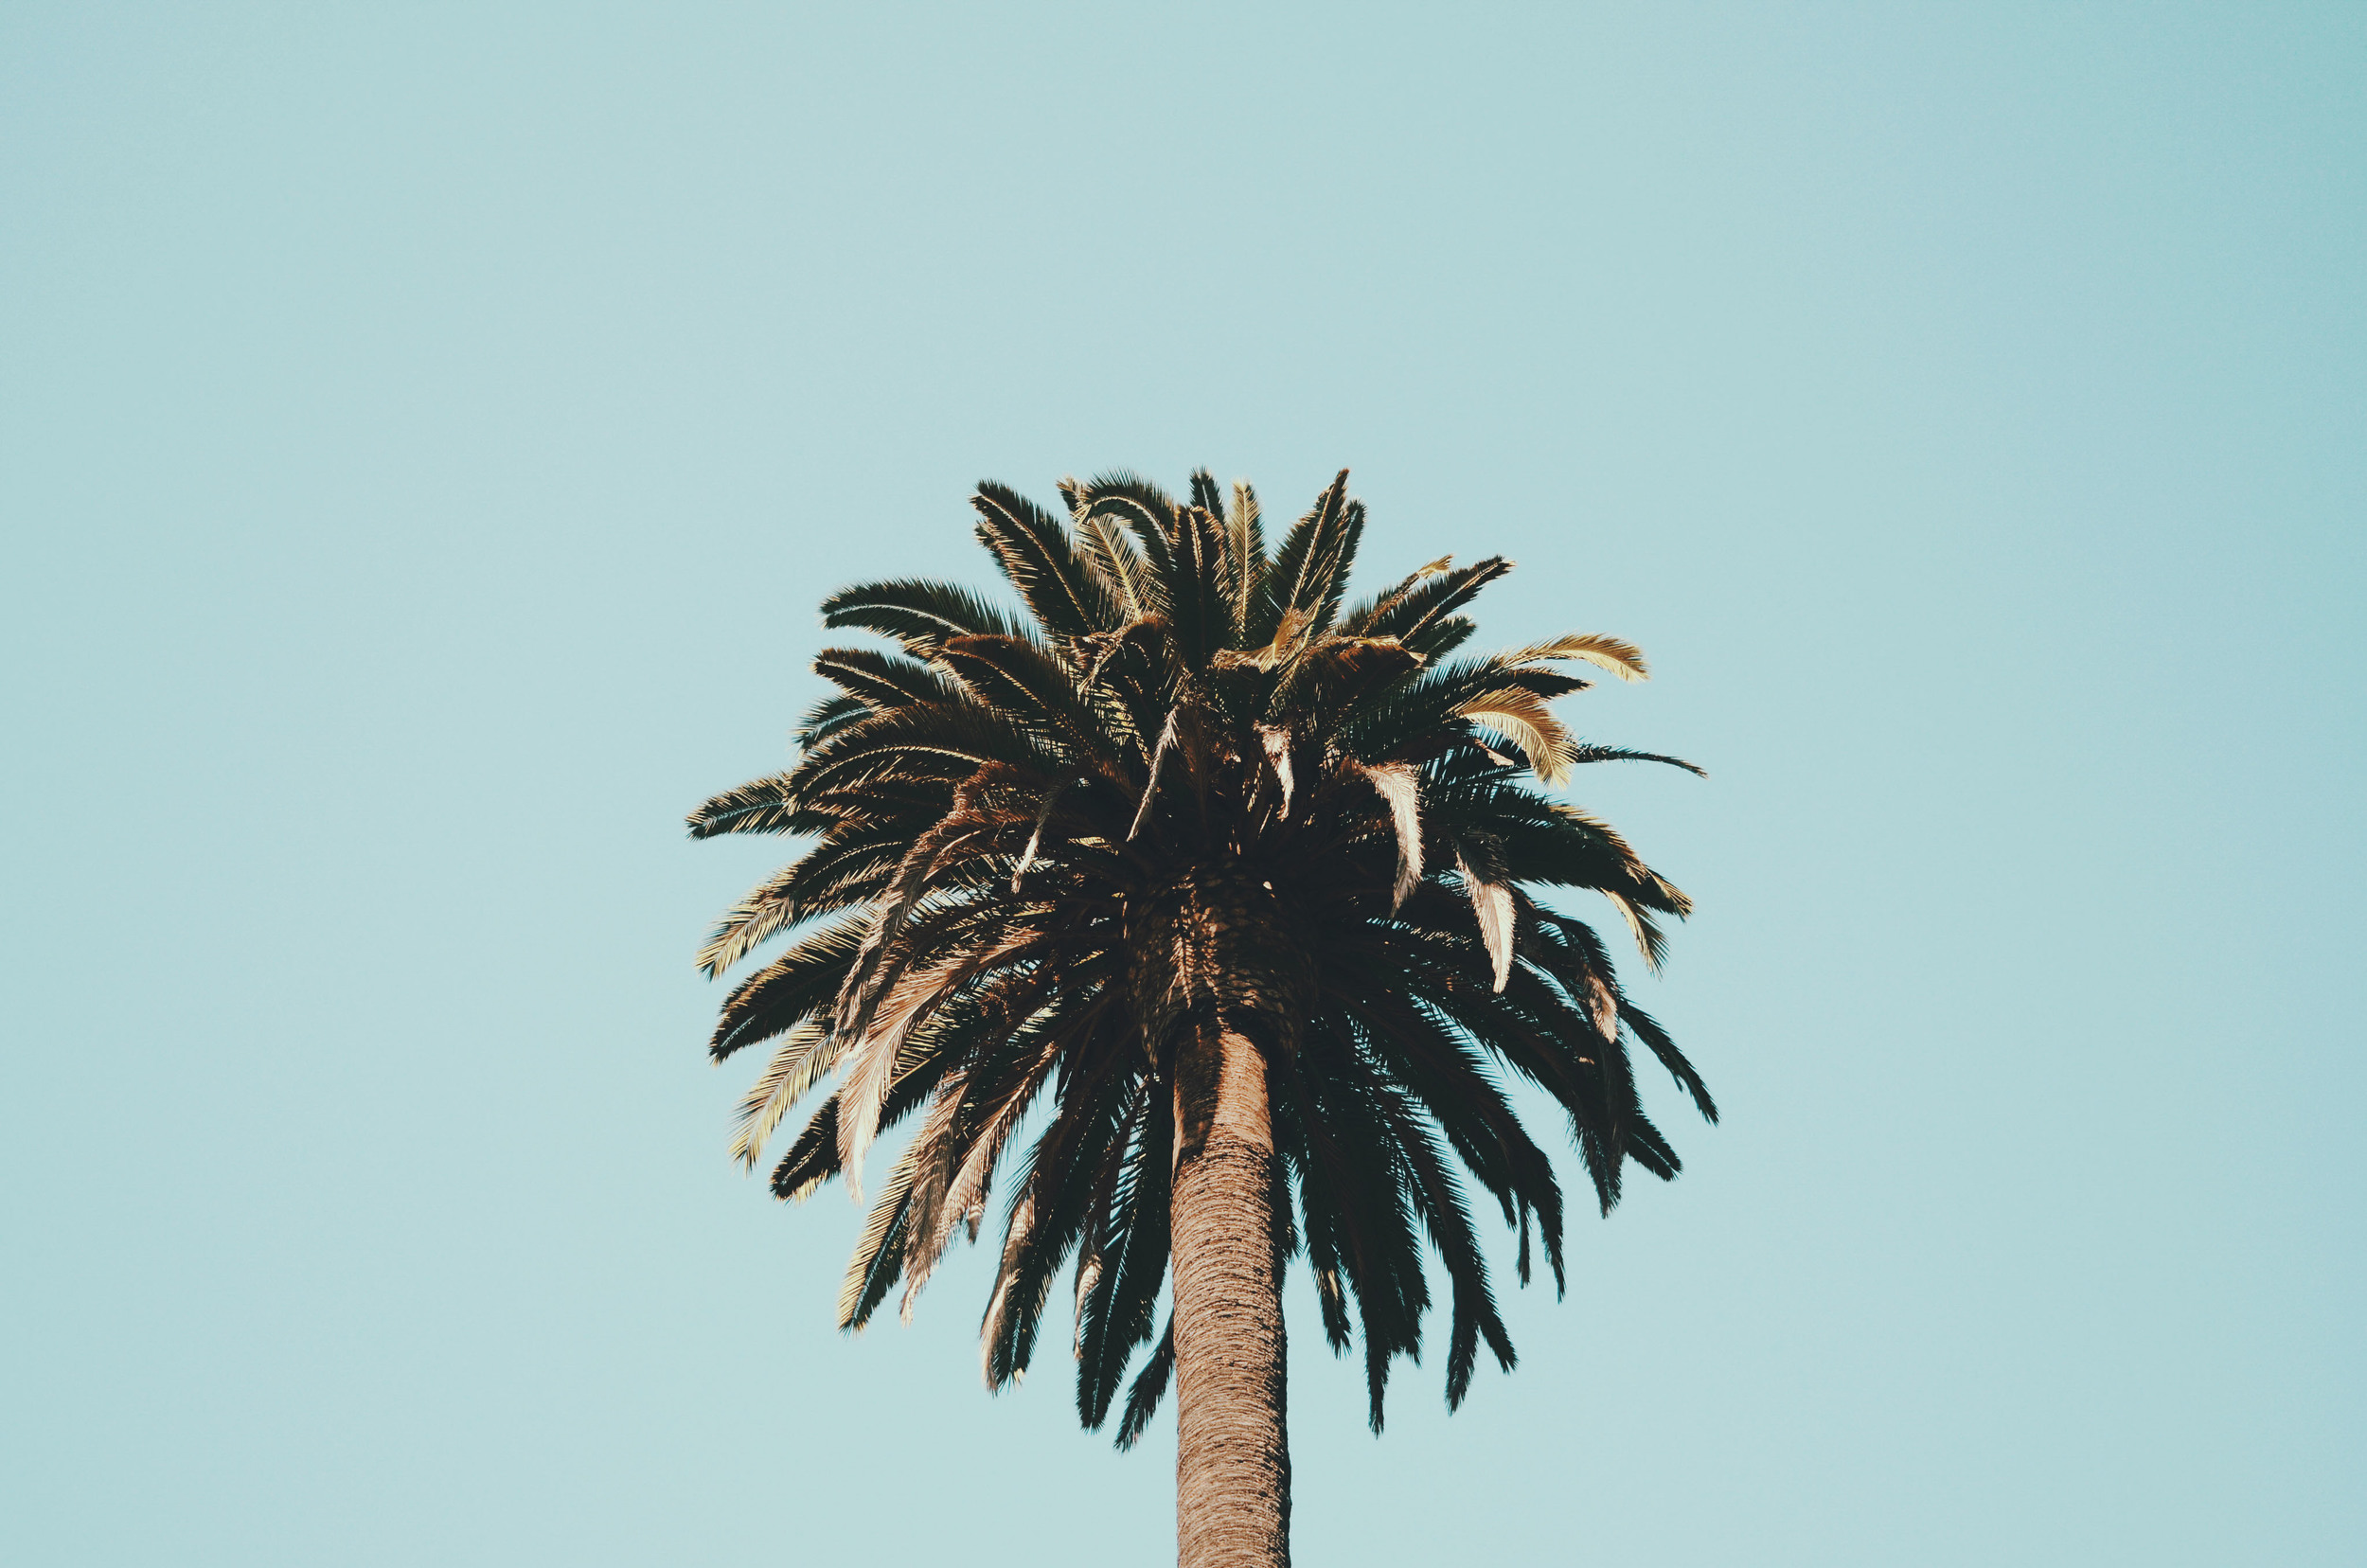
(1240, 880)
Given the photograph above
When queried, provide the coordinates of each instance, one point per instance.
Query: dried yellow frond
(1492, 902)
(1399, 784)
(1522, 719)
(1287, 638)
(1623, 659)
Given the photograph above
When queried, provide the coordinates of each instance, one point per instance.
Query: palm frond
(1310, 570)
(1115, 1307)
(1168, 734)
(1581, 753)
(1037, 555)
(1010, 1075)
(884, 680)
(1424, 601)
(1146, 512)
(1400, 784)
(1048, 1214)
(802, 983)
(1479, 864)
(878, 1256)
(828, 716)
(1245, 555)
(1117, 561)
(1521, 718)
(1020, 679)
(1150, 1387)
(918, 612)
(1623, 659)
(1359, 618)
(1657, 1040)
(795, 1069)
(766, 805)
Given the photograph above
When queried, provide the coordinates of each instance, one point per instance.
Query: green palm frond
(1245, 555)
(1426, 599)
(1114, 558)
(828, 716)
(882, 681)
(1042, 561)
(1310, 569)
(918, 615)
(1118, 1298)
(1150, 1387)
(800, 1060)
(1144, 511)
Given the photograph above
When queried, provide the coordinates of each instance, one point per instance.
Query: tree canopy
(992, 800)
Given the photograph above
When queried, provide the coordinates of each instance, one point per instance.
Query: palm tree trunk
(1219, 983)
(1232, 1456)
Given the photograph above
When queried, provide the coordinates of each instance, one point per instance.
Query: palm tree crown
(1187, 785)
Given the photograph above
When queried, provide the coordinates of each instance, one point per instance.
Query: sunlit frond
(1623, 659)
(795, 1069)
(1400, 785)
(918, 613)
(1522, 718)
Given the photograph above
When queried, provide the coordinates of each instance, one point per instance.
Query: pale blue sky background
(424, 433)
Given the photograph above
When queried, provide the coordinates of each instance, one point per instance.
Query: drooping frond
(1581, 753)
(802, 983)
(1522, 718)
(1480, 864)
(794, 1070)
(1126, 1247)
(879, 1258)
(1623, 659)
(1150, 1387)
(1115, 560)
(1400, 786)
(1147, 514)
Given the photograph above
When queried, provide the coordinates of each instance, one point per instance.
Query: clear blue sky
(425, 433)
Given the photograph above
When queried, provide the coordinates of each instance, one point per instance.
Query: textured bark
(1219, 983)
(1232, 1455)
